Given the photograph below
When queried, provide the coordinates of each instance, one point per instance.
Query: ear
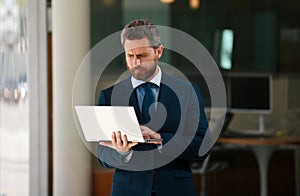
(159, 51)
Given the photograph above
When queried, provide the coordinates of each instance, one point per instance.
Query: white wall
(71, 38)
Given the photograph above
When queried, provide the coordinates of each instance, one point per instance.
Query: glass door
(14, 104)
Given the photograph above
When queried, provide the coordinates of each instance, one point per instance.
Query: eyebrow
(142, 53)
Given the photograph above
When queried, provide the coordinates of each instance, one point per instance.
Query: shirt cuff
(159, 148)
(126, 156)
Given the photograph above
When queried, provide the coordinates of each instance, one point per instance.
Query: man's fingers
(119, 139)
(125, 141)
(147, 131)
(108, 144)
(119, 142)
(113, 138)
(158, 142)
(132, 144)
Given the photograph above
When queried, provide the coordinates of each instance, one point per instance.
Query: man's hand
(150, 134)
(119, 143)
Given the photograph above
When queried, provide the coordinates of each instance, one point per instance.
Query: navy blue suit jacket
(182, 123)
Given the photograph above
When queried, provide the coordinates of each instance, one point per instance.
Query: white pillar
(71, 42)
(37, 71)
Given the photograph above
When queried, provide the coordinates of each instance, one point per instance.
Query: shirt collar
(156, 80)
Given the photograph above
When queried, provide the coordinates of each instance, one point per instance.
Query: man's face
(141, 58)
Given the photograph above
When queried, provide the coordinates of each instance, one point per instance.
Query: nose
(136, 61)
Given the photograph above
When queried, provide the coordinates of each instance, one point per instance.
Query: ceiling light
(167, 1)
(194, 4)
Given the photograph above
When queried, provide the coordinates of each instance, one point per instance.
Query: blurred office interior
(44, 42)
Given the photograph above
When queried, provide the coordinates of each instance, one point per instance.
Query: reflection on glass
(14, 109)
(13, 84)
(226, 49)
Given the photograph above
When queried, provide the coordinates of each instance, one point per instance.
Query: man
(177, 117)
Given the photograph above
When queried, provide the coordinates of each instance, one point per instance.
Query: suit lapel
(133, 101)
(164, 92)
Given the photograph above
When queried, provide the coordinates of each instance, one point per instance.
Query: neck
(153, 75)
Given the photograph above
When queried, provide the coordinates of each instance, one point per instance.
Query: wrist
(126, 156)
(123, 151)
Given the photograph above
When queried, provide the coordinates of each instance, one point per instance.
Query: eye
(130, 55)
(141, 55)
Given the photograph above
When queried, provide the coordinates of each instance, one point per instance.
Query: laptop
(98, 123)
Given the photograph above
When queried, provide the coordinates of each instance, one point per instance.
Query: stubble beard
(143, 76)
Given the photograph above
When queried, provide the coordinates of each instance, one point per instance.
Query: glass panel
(14, 105)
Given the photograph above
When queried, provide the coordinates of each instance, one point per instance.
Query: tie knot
(148, 85)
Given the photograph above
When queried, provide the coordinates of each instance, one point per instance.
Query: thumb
(132, 144)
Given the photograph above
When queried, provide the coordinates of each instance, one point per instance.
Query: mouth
(137, 68)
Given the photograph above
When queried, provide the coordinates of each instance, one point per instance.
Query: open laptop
(98, 123)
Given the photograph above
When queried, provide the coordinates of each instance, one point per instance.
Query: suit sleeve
(108, 157)
(199, 138)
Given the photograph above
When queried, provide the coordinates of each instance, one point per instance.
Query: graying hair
(139, 29)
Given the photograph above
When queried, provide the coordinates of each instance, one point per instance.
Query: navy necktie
(147, 101)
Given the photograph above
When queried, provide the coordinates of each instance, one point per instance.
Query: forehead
(137, 44)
